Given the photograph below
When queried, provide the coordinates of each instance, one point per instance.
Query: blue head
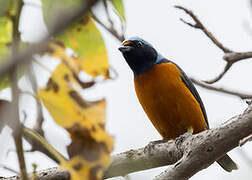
(139, 54)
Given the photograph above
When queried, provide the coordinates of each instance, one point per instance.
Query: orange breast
(167, 101)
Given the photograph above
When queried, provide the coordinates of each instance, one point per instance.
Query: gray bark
(190, 153)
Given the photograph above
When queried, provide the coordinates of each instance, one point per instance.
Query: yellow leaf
(85, 122)
(5, 37)
(5, 45)
(85, 170)
(86, 41)
(82, 37)
(59, 51)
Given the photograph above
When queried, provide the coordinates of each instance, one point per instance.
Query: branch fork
(230, 56)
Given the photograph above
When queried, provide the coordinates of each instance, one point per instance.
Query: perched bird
(166, 94)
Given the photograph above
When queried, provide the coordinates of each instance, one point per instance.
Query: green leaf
(119, 7)
(4, 6)
(7, 7)
(82, 37)
(52, 8)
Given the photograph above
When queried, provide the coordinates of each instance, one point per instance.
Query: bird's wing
(195, 93)
(190, 86)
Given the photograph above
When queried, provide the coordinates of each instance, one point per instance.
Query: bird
(166, 94)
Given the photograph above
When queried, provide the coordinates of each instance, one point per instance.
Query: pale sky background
(157, 22)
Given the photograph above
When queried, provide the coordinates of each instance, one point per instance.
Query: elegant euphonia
(166, 94)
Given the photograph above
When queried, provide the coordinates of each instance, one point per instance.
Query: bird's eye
(139, 44)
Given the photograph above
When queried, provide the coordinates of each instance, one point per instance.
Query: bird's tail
(227, 163)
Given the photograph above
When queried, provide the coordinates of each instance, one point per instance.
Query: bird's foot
(186, 134)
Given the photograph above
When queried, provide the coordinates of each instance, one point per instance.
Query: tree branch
(218, 77)
(203, 149)
(199, 25)
(40, 118)
(191, 153)
(234, 57)
(61, 24)
(222, 90)
(17, 130)
(230, 56)
(111, 29)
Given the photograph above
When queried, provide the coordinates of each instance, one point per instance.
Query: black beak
(125, 49)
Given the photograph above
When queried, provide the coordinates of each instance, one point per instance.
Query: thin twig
(199, 25)
(221, 89)
(230, 56)
(42, 65)
(17, 132)
(40, 118)
(110, 30)
(105, 3)
(226, 68)
(112, 25)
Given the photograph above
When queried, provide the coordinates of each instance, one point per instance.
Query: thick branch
(192, 153)
(47, 174)
(153, 155)
(210, 145)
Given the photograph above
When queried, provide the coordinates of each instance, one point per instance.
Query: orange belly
(167, 101)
